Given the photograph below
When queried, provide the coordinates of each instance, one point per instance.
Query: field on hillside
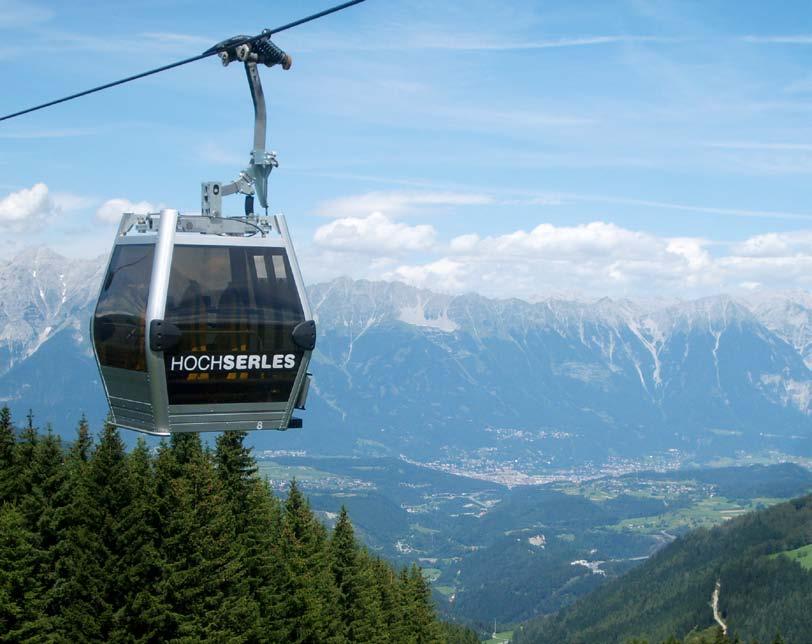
(704, 513)
(802, 555)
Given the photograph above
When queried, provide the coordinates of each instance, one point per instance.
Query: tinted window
(118, 325)
(236, 308)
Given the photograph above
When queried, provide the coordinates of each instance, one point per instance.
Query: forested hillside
(760, 562)
(184, 545)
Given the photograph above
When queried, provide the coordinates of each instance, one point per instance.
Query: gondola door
(118, 335)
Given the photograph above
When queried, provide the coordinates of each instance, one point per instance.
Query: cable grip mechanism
(251, 51)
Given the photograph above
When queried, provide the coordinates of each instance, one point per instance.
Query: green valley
(492, 552)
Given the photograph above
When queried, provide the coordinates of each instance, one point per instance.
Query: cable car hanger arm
(254, 179)
(209, 52)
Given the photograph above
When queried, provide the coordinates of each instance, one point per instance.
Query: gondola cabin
(203, 324)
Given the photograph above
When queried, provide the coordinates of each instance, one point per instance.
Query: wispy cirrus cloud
(54, 40)
(177, 39)
(445, 196)
(399, 202)
(758, 145)
(711, 210)
(778, 39)
(764, 157)
(456, 42)
(62, 133)
(493, 118)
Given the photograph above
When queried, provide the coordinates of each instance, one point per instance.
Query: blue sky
(525, 148)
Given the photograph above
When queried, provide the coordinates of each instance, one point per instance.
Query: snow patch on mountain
(788, 392)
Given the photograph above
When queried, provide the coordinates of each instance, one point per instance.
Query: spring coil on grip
(269, 54)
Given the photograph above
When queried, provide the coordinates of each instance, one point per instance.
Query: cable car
(202, 321)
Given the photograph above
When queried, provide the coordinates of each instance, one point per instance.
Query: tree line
(184, 544)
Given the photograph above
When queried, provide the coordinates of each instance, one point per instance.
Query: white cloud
(597, 239)
(597, 257)
(27, 207)
(604, 259)
(442, 275)
(375, 234)
(112, 209)
(398, 202)
(792, 244)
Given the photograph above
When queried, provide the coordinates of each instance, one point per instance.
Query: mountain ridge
(403, 369)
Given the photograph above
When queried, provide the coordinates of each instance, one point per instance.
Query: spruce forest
(186, 544)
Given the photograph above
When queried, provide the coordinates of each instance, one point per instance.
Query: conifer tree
(8, 462)
(81, 447)
(43, 504)
(456, 634)
(74, 591)
(20, 590)
(110, 494)
(186, 448)
(358, 605)
(47, 482)
(203, 581)
(25, 470)
(262, 557)
(41, 477)
(385, 584)
(236, 469)
(140, 615)
(418, 620)
(310, 594)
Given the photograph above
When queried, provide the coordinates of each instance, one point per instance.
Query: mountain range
(400, 370)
